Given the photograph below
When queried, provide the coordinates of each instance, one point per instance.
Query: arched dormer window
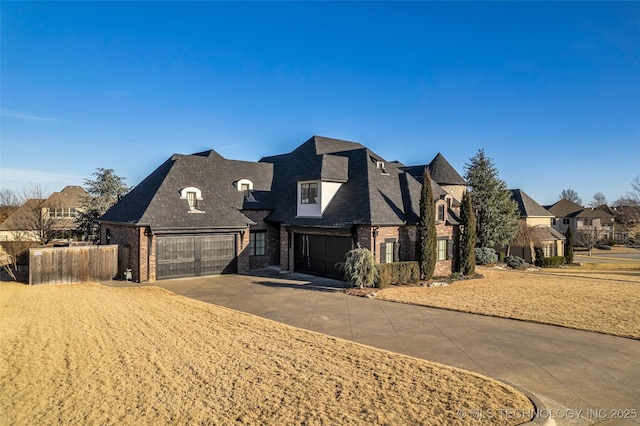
(244, 185)
(192, 195)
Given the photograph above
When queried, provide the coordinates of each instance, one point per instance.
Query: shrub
(515, 262)
(456, 276)
(486, 255)
(398, 273)
(360, 268)
(552, 261)
(568, 246)
(539, 253)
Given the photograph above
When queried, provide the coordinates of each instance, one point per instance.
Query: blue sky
(551, 91)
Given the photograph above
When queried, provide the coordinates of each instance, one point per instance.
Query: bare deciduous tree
(33, 221)
(598, 200)
(9, 203)
(589, 236)
(12, 258)
(571, 195)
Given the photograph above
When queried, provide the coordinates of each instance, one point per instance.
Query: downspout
(138, 257)
(149, 248)
(288, 250)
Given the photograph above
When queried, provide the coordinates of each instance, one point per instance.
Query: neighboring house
(592, 224)
(203, 214)
(53, 216)
(627, 223)
(18, 226)
(535, 229)
(62, 208)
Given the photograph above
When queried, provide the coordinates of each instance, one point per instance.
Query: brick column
(286, 253)
(243, 253)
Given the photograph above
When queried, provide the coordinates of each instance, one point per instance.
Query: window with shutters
(442, 249)
(389, 251)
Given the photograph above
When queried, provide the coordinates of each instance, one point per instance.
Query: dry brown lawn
(601, 297)
(88, 354)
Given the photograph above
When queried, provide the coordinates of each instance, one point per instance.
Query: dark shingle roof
(371, 195)
(156, 200)
(441, 171)
(595, 213)
(528, 206)
(565, 208)
(70, 196)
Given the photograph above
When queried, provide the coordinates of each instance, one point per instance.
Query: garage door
(193, 256)
(319, 254)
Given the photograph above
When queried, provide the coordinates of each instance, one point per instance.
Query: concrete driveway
(568, 370)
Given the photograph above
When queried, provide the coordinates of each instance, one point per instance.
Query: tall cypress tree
(426, 231)
(468, 237)
(568, 246)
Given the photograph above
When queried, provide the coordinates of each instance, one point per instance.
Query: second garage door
(192, 256)
(320, 254)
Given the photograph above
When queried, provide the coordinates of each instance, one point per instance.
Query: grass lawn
(88, 354)
(601, 297)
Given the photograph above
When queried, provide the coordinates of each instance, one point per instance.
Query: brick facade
(132, 250)
(272, 239)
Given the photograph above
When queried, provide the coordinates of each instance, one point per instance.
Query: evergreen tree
(495, 211)
(468, 237)
(426, 244)
(104, 192)
(568, 246)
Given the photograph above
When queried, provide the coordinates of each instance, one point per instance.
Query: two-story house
(52, 218)
(535, 229)
(588, 224)
(302, 211)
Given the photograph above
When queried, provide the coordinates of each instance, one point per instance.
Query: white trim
(183, 196)
(238, 184)
(183, 192)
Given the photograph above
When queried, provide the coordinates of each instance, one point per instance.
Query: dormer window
(192, 195)
(245, 186)
(309, 193)
(192, 200)
(381, 167)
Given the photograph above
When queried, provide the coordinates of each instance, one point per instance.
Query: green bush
(552, 261)
(539, 253)
(398, 273)
(360, 268)
(515, 262)
(486, 255)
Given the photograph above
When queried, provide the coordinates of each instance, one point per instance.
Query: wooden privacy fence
(61, 265)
